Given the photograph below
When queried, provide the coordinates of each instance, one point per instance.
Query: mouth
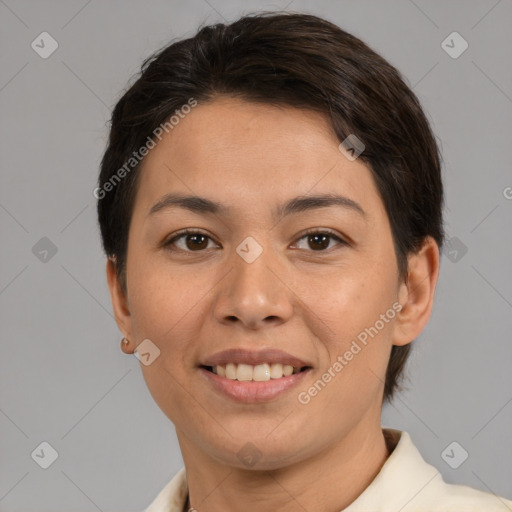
(250, 376)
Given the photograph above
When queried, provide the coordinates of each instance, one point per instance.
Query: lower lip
(250, 392)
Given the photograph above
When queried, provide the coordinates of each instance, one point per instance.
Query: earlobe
(417, 294)
(119, 300)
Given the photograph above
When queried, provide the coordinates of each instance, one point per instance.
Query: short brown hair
(297, 60)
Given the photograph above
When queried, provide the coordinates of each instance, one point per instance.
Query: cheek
(168, 306)
(356, 309)
(162, 296)
(350, 300)
(167, 309)
(351, 378)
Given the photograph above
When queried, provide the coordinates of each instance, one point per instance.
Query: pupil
(194, 243)
(323, 244)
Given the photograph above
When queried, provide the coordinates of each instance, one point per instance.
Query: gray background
(64, 379)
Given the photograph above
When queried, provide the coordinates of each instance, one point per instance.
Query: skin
(310, 303)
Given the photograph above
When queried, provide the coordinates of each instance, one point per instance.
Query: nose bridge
(252, 293)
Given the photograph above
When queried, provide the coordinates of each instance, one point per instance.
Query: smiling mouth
(255, 373)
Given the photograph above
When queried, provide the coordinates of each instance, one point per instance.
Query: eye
(196, 241)
(193, 241)
(319, 240)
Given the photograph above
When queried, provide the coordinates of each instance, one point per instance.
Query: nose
(254, 294)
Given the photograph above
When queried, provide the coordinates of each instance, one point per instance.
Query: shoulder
(433, 494)
(407, 483)
(457, 498)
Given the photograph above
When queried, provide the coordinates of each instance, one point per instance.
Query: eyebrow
(298, 204)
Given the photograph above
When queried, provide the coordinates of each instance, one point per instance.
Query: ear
(119, 304)
(416, 296)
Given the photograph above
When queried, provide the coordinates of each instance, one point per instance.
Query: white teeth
(258, 373)
(230, 371)
(276, 370)
(261, 372)
(244, 372)
(287, 370)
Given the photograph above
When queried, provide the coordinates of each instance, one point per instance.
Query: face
(269, 277)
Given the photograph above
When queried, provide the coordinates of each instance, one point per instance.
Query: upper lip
(253, 357)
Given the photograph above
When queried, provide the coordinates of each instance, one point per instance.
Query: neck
(339, 475)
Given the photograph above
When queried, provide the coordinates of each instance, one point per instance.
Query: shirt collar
(402, 477)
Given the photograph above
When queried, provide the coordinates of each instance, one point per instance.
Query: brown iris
(321, 239)
(198, 241)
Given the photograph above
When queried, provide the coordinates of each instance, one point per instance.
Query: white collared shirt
(405, 483)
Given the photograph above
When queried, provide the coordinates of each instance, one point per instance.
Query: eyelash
(168, 245)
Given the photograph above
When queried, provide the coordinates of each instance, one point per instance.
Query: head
(256, 118)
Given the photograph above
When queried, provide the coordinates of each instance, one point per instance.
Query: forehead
(250, 153)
